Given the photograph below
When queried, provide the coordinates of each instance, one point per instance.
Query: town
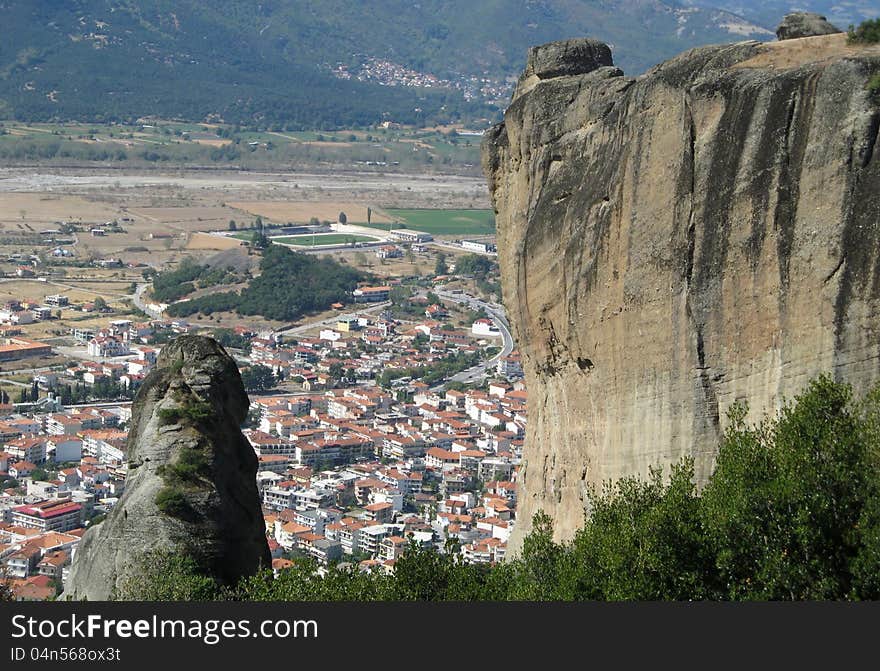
(399, 419)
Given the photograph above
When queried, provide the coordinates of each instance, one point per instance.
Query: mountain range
(306, 64)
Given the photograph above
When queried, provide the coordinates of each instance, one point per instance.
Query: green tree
(257, 378)
(868, 32)
(441, 268)
(790, 512)
(342, 218)
(39, 474)
(232, 225)
(259, 240)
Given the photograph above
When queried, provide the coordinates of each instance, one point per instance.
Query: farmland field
(445, 222)
(331, 239)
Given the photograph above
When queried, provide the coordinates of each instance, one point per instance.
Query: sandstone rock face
(222, 525)
(804, 24)
(670, 244)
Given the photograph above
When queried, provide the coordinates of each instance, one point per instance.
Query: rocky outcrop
(804, 24)
(191, 485)
(670, 244)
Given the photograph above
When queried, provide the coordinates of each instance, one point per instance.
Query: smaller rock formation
(804, 24)
(191, 486)
(567, 58)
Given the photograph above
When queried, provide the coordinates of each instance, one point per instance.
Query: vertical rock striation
(188, 410)
(670, 244)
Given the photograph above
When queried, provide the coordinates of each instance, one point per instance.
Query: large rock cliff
(669, 244)
(184, 447)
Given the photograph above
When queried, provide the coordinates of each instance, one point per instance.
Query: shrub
(194, 410)
(190, 467)
(868, 32)
(173, 503)
(170, 415)
(167, 576)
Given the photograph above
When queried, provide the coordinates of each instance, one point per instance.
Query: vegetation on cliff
(792, 512)
(868, 32)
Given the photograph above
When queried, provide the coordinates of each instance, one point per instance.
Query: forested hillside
(109, 60)
(282, 63)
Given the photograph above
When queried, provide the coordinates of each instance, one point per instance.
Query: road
(497, 315)
(140, 304)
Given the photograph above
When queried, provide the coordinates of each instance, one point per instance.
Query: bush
(192, 409)
(167, 576)
(868, 32)
(189, 468)
(173, 502)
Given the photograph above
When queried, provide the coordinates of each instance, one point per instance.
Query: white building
(107, 346)
(485, 327)
(480, 247)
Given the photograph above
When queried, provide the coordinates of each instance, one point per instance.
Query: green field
(317, 240)
(444, 222)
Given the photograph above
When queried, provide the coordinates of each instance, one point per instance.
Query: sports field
(444, 222)
(317, 240)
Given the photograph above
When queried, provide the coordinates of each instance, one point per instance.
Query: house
(107, 346)
(485, 327)
(436, 311)
(389, 252)
(391, 548)
(23, 563)
(379, 512)
(53, 563)
(32, 449)
(440, 459)
(35, 588)
(509, 366)
(323, 549)
(21, 469)
(371, 294)
(16, 316)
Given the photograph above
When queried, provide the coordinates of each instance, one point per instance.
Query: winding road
(497, 315)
